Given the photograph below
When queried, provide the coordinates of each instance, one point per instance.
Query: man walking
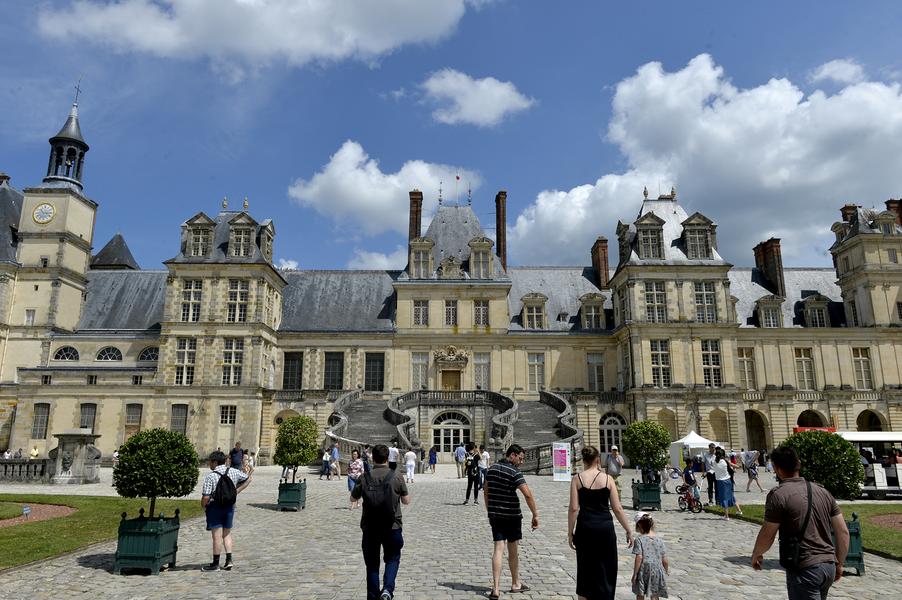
(613, 466)
(335, 463)
(220, 490)
(805, 512)
(383, 492)
(709, 471)
(460, 454)
(393, 454)
(502, 482)
(484, 459)
(236, 456)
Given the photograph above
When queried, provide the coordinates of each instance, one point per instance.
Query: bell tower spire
(67, 153)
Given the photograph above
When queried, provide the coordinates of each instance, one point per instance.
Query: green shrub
(297, 442)
(156, 463)
(646, 444)
(829, 460)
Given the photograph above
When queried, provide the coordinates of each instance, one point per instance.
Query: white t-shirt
(485, 460)
(721, 473)
(410, 457)
(393, 454)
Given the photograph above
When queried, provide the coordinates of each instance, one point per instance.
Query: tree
(829, 460)
(156, 463)
(297, 442)
(646, 444)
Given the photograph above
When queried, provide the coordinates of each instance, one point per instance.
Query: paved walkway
(313, 554)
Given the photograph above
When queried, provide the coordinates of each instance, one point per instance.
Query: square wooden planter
(147, 543)
(293, 496)
(646, 496)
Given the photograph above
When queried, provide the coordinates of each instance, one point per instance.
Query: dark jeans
(391, 543)
(473, 484)
(710, 478)
(811, 583)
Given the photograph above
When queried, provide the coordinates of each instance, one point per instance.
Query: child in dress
(651, 565)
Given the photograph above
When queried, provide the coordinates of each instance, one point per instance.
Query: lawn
(875, 538)
(96, 519)
(8, 510)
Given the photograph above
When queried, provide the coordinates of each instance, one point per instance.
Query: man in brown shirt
(820, 563)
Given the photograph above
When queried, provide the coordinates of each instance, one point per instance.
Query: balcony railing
(25, 470)
(336, 432)
(303, 395)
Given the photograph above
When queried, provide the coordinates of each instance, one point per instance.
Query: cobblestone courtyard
(314, 553)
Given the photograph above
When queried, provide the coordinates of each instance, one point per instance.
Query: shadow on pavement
(101, 562)
(746, 561)
(465, 587)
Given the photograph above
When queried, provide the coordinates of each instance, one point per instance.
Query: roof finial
(77, 90)
(225, 201)
(673, 192)
(469, 195)
(645, 192)
(245, 203)
(440, 193)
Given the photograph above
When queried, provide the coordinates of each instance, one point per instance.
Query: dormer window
(650, 243)
(534, 311)
(769, 313)
(266, 245)
(420, 258)
(592, 311)
(698, 243)
(481, 258)
(816, 314)
(200, 241)
(240, 244)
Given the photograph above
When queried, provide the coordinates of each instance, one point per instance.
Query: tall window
(892, 255)
(536, 363)
(612, 428)
(595, 367)
(655, 302)
(133, 413)
(450, 313)
(482, 367)
(333, 376)
(228, 414)
(178, 418)
(711, 364)
(660, 363)
(419, 370)
(887, 228)
(853, 313)
(623, 305)
(479, 264)
(421, 313)
(770, 317)
(626, 367)
(817, 317)
(185, 352)
(650, 243)
(241, 241)
(593, 316)
(746, 368)
(200, 241)
(192, 292)
(292, 374)
(698, 243)
(861, 360)
(481, 313)
(705, 302)
(29, 317)
(40, 421)
(421, 264)
(238, 298)
(87, 415)
(232, 359)
(804, 369)
(374, 372)
(535, 316)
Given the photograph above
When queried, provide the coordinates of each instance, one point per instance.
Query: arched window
(109, 353)
(452, 418)
(612, 426)
(66, 353)
(149, 354)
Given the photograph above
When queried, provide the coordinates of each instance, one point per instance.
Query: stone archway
(757, 433)
(667, 419)
(720, 426)
(611, 427)
(869, 420)
(450, 429)
(811, 418)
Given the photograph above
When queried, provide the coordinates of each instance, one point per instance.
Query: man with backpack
(382, 493)
(220, 491)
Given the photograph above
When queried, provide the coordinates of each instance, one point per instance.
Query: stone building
(457, 346)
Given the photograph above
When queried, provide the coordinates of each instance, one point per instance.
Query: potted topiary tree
(646, 444)
(155, 463)
(296, 445)
(829, 460)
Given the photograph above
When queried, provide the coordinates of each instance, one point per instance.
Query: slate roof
(115, 255)
(747, 285)
(10, 213)
(71, 129)
(563, 286)
(863, 222)
(219, 252)
(123, 300)
(338, 301)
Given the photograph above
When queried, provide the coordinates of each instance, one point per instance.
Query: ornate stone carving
(450, 269)
(451, 357)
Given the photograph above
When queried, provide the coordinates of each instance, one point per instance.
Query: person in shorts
(502, 482)
(220, 518)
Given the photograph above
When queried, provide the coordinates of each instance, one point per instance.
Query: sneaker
(467, 501)
(385, 596)
(228, 566)
(475, 502)
(210, 567)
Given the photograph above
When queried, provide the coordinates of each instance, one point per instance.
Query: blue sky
(766, 117)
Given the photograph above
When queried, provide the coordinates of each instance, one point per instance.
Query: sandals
(523, 588)
(493, 596)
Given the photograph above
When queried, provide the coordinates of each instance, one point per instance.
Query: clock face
(43, 213)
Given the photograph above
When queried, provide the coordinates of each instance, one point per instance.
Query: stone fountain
(75, 459)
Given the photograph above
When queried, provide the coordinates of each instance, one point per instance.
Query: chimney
(600, 261)
(501, 227)
(769, 261)
(416, 214)
(891, 205)
(847, 211)
(4, 178)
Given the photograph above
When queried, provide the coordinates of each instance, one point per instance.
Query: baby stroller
(688, 500)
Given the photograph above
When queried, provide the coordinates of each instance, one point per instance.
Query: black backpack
(378, 503)
(473, 465)
(225, 493)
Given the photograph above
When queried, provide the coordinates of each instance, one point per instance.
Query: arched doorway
(612, 425)
(811, 418)
(449, 430)
(720, 427)
(756, 431)
(868, 420)
(667, 420)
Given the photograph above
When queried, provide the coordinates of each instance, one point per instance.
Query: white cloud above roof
(364, 259)
(841, 70)
(483, 102)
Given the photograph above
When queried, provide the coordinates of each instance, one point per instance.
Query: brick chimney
(4, 178)
(891, 205)
(769, 261)
(600, 261)
(847, 211)
(501, 227)
(416, 214)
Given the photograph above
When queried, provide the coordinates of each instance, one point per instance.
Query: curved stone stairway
(366, 423)
(536, 424)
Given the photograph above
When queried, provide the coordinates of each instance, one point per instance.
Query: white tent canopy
(691, 441)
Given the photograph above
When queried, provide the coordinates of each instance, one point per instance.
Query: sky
(766, 117)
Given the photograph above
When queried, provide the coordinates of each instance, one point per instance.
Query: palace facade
(221, 345)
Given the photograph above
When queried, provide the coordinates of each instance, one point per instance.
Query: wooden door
(450, 380)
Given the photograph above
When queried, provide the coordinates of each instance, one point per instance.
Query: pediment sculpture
(450, 268)
(451, 356)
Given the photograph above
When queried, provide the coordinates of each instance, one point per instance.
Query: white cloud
(462, 99)
(767, 160)
(238, 33)
(287, 264)
(351, 189)
(841, 70)
(363, 259)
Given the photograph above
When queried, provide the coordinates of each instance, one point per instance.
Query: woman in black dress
(593, 495)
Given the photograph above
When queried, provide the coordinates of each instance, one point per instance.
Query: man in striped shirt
(502, 482)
